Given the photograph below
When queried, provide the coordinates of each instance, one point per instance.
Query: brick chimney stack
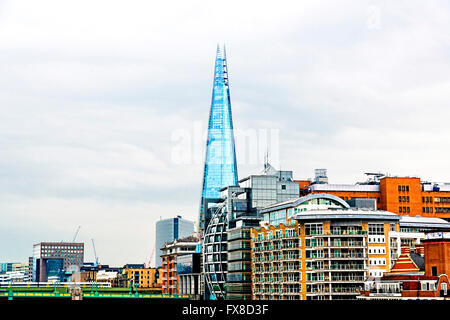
(405, 250)
(420, 249)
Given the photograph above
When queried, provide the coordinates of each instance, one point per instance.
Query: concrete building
(51, 259)
(402, 195)
(13, 276)
(226, 247)
(412, 232)
(168, 230)
(142, 278)
(316, 247)
(170, 252)
(189, 274)
(419, 275)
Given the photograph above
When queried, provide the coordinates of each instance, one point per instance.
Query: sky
(104, 106)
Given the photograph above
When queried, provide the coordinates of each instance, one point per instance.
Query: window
(403, 188)
(407, 209)
(399, 188)
(376, 229)
(400, 209)
(399, 198)
(407, 198)
(313, 228)
(434, 271)
(407, 188)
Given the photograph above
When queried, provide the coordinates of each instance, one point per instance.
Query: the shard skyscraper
(220, 162)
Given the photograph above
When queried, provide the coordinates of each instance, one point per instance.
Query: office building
(168, 230)
(226, 249)
(51, 259)
(170, 253)
(6, 267)
(220, 169)
(402, 195)
(189, 274)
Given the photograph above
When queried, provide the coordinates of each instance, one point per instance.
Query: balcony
(345, 244)
(289, 257)
(291, 292)
(347, 267)
(344, 290)
(360, 233)
(343, 256)
(347, 279)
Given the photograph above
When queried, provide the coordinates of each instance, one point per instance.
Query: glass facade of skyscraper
(220, 163)
(168, 230)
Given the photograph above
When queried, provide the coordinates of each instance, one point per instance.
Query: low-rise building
(189, 274)
(419, 275)
(170, 252)
(140, 277)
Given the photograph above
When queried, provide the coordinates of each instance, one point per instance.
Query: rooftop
(350, 213)
(297, 201)
(425, 222)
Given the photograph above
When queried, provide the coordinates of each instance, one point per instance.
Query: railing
(346, 233)
(347, 267)
(345, 244)
(292, 257)
(347, 255)
(384, 291)
(345, 279)
(344, 290)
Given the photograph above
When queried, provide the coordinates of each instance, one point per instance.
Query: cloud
(91, 94)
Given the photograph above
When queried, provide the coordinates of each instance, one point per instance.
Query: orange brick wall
(437, 253)
(411, 196)
(389, 189)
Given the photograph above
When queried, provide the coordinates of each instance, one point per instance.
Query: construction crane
(76, 233)
(95, 253)
(151, 257)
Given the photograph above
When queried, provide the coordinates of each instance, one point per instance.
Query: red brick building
(401, 195)
(420, 275)
(170, 251)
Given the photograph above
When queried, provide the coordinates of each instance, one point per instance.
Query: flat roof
(426, 222)
(346, 214)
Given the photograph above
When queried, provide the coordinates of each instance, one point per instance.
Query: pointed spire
(219, 53)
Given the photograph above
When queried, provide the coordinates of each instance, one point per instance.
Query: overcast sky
(92, 94)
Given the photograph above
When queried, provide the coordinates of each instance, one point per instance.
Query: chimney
(420, 249)
(405, 250)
